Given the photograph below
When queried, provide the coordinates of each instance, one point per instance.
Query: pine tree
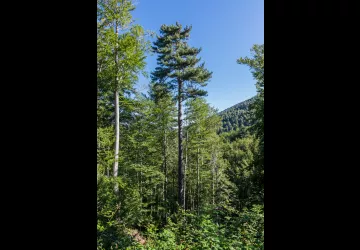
(178, 68)
(164, 111)
(256, 64)
(206, 166)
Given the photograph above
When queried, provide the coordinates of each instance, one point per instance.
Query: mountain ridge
(236, 116)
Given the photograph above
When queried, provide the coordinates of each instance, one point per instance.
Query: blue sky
(226, 30)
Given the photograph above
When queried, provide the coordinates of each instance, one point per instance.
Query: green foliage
(179, 69)
(241, 155)
(121, 46)
(188, 231)
(256, 64)
(222, 152)
(178, 62)
(237, 116)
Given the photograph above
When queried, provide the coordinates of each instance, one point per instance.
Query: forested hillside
(166, 179)
(236, 116)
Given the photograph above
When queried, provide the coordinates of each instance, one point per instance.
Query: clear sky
(226, 30)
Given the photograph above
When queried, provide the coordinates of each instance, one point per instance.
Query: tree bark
(186, 167)
(213, 176)
(185, 179)
(166, 175)
(117, 132)
(181, 197)
(198, 181)
(117, 120)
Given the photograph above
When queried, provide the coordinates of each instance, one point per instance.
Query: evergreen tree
(164, 112)
(207, 181)
(178, 68)
(256, 64)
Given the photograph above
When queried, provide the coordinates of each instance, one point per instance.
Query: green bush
(184, 230)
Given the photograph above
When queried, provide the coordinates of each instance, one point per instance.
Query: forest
(169, 176)
(237, 116)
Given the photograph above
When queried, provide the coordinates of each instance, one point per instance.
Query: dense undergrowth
(215, 228)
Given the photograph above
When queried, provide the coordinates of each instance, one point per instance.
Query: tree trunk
(185, 179)
(198, 181)
(174, 193)
(117, 132)
(202, 164)
(117, 120)
(166, 175)
(213, 176)
(186, 167)
(181, 170)
(213, 179)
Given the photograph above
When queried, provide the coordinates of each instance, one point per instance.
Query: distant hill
(236, 116)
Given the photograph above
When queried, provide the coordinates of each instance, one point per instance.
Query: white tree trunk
(117, 120)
